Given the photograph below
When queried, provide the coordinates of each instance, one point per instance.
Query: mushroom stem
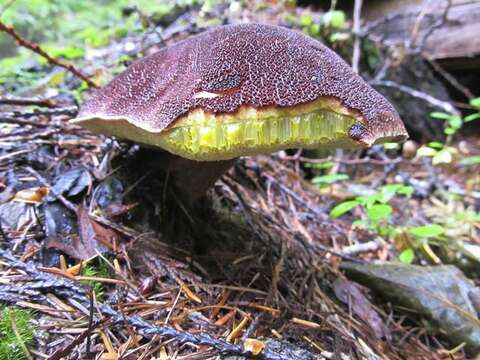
(192, 178)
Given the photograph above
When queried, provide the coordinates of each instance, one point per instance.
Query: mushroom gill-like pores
(240, 90)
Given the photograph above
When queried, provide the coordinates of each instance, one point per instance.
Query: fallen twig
(10, 120)
(67, 110)
(26, 102)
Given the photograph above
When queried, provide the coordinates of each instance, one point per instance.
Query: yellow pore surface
(204, 136)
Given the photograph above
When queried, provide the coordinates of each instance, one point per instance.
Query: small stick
(59, 354)
(90, 325)
(11, 120)
(68, 110)
(26, 102)
(37, 49)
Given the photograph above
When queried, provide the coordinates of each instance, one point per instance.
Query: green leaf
(475, 102)
(386, 231)
(407, 256)
(322, 165)
(436, 145)
(449, 131)
(426, 151)
(379, 212)
(388, 191)
(314, 29)
(455, 122)
(306, 20)
(406, 190)
(444, 156)
(329, 179)
(367, 201)
(338, 36)
(362, 224)
(391, 146)
(56, 78)
(440, 115)
(67, 52)
(471, 160)
(472, 117)
(343, 208)
(335, 19)
(431, 230)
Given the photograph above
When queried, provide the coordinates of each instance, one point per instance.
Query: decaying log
(433, 48)
(441, 29)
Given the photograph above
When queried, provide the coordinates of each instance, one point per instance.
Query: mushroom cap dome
(236, 73)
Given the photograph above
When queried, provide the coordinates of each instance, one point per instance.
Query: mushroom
(239, 90)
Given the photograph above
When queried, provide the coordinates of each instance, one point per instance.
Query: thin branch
(357, 10)
(68, 110)
(90, 325)
(359, 248)
(444, 105)
(37, 49)
(10, 120)
(64, 352)
(417, 24)
(26, 102)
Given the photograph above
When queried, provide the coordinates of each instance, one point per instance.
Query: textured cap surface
(232, 66)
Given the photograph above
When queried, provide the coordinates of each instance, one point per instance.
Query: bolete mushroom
(240, 90)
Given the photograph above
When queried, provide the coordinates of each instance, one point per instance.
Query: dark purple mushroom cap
(240, 90)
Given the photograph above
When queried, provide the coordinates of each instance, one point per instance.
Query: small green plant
(376, 207)
(16, 333)
(327, 179)
(309, 26)
(421, 237)
(335, 19)
(407, 256)
(378, 216)
(470, 161)
(96, 270)
(329, 26)
(439, 152)
(321, 166)
(454, 122)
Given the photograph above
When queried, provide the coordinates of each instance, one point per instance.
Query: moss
(16, 333)
(100, 269)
